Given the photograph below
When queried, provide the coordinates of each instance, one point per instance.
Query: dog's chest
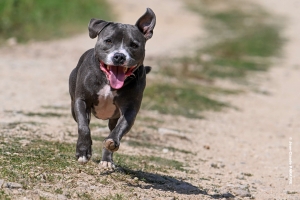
(106, 107)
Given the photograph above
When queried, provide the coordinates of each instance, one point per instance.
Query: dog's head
(120, 48)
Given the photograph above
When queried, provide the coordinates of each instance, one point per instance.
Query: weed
(113, 197)
(58, 191)
(84, 196)
(3, 195)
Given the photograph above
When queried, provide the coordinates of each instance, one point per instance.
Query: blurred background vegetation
(46, 19)
(243, 38)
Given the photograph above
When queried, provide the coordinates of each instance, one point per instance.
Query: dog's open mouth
(117, 74)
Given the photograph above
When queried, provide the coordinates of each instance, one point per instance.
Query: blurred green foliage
(45, 19)
(242, 39)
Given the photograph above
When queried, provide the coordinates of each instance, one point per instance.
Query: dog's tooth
(125, 69)
(108, 67)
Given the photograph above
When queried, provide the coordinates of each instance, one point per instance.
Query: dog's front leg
(125, 122)
(112, 142)
(84, 142)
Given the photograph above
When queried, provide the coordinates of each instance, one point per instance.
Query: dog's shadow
(165, 183)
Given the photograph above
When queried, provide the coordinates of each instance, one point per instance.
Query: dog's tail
(148, 69)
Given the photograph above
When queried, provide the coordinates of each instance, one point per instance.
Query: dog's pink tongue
(117, 77)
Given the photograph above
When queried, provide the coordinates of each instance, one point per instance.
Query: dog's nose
(119, 59)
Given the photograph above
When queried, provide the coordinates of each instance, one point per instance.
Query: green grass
(3, 195)
(13, 125)
(113, 197)
(186, 99)
(49, 162)
(40, 20)
(147, 163)
(242, 39)
(137, 162)
(53, 107)
(249, 38)
(35, 161)
(41, 114)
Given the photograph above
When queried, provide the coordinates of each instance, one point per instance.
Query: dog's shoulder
(87, 54)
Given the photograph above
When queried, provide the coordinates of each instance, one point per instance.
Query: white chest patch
(105, 108)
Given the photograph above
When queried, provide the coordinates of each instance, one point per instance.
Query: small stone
(206, 147)
(244, 187)
(214, 165)
(61, 197)
(240, 177)
(24, 142)
(136, 178)
(12, 185)
(241, 193)
(165, 150)
(1, 183)
(170, 198)
(257, 182)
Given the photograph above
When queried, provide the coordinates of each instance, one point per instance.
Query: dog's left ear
(96, 26)
(146, 23)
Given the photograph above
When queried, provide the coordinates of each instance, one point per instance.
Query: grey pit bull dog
(109, 81)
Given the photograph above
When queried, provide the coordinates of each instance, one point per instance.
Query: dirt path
(248, 152)
(255, 139)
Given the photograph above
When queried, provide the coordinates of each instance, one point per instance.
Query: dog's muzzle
(117, 74)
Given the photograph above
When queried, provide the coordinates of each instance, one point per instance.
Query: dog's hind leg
(112, 123)
(107, 155)
(107, 159)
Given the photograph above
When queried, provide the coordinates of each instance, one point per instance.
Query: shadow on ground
(167, 183)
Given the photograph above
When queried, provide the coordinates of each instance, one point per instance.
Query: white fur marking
(109, 58)
(105, 108)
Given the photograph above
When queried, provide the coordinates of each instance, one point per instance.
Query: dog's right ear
(96, 26)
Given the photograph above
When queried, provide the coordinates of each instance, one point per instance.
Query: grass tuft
(4, 196)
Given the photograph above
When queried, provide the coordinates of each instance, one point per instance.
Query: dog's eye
(134, 45)
(108, 41)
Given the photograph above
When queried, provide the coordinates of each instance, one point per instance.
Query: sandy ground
(249, 147)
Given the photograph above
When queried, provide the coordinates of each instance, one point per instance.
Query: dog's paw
(84, 159)
(83, 156)
(107, 165)
(111, 145)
